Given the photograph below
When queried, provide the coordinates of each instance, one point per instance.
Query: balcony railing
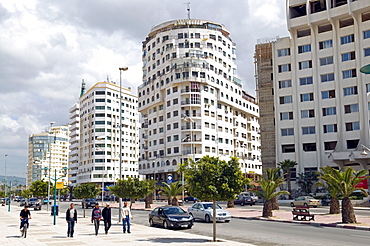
(187, 102)
(191, 128)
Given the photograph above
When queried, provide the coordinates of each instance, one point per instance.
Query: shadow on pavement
(175, 240)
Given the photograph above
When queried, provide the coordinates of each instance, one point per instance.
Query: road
(264, 233)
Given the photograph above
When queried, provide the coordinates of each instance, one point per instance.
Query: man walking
(96, 217)
(126, 217)
(71, 219)
(107, 216)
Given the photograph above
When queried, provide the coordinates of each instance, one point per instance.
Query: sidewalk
(43, 232)
(321, 219)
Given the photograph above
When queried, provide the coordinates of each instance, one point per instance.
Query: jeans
(107, 225)
(96, 224)
(124, 222)
(71, 227)
(23, 222)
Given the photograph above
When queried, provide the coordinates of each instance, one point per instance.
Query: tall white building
(191, 102)
(321, 100)
(95, 141)
(48, 149)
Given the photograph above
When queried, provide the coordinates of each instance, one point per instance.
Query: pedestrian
(24, 215)
(96, 217)
(71, 219)
(126, 217)
(107, 216)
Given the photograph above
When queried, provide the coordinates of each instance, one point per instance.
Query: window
(285, 99)
(325, 28)
(306, 81)
(175, 125)
(175, 101)
(328, 94)
(350, 91)
(326, 44)
(169, 139)
(326, 61)
(288, 148)
(367, 34)
(330, 145)
(174, 89)
(175, 137)
(285, 84)
(306, 97)
(284, 52)
(347, 39)
(329, 111)
(309, 147)
(367, 52)
(286, 116)
(348, 56)
(327, 77)
(308, 130)
(367, 88)
(304, 48)
(330, 128)
(303, 32)
(352, 108)
(305, 65)
(287, 132)
(345, 22)
(307, 114)
(349, 74)
(353, 126)
(284, 68)
(352, 144)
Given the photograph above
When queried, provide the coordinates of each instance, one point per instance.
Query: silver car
(204, 211)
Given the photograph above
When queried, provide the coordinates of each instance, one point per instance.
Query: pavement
(43, 232)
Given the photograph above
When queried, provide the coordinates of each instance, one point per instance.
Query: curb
(363, 228)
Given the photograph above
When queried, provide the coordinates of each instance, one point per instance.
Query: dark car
(90, 202)
(34, 203)
(190, 199)
(170, 217)
(243, 200)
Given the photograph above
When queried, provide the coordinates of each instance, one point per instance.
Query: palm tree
(345, 181)
(325, 174)
(274, 174)
(268, 190)
(286, 166)
(171, 191)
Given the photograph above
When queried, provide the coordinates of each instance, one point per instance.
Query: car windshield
(173, 210)
(33, 199)
(209, 206)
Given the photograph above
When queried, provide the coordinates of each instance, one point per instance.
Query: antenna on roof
(188, 9)
(107, 78)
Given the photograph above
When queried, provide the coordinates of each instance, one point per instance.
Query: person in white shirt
(126, 217)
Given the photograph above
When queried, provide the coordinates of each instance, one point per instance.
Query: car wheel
(151, 222)
(227, 221)
(292, 204)
(207, 218)
(315, 206)
(305, 204)
(242, 204)
(190, 226)
(165, 225)
(251, 204)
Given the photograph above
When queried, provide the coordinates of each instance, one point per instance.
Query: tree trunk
(175, 202)
(148, 200)
(214, 221)
(169, 200)
(275, 204)
(288, 184)
(84, 201)
(267, 209)
(230, 204)
(348, 213)
(334, 206)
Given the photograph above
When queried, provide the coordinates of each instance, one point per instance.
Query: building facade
(191, 102)
(48, 150)
(321, 100)
(95, 141)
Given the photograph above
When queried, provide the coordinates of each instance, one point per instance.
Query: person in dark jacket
(107, 216)
(24, 215)
(71, 219)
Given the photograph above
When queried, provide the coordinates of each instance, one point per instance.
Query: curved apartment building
(191, 101)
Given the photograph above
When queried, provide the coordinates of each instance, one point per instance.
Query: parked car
(170, 217)
(190, 199)
(22, 202)
(307, 201)
(46, 201)
(204, 211)
(90, 202)
(251, 194)
(34, 203)
(2, 201)
(325, 200)
(243, 200)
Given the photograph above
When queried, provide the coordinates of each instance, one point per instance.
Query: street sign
(169, 179)
(59, 185)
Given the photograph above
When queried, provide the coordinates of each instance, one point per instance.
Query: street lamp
(55, 179)
(120, 137)
(47, 205)
(6, 184)
(364, 148)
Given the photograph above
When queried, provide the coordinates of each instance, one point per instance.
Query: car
(307, 201)
(204, 211)
(2, 201)
(22, 202)
(34, 203)
(90, 202)
(45, 201)
(251, 194)
(170, 217)
(190, 199)
(243, 199)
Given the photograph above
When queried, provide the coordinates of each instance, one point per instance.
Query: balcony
(190, 90)
(188, 102)
(197, 127)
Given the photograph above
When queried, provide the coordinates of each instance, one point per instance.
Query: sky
(47, 47)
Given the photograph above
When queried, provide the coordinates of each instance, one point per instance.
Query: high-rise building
(191, 102)
(321, 104)
(95, 136)
(48, 150)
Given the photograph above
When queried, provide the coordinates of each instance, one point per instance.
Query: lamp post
(120, 138)
(6, 184)
(47, 204)
(55, 179)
